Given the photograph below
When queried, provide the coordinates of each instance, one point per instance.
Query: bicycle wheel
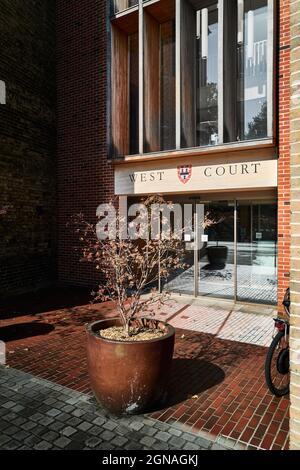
(277, 366)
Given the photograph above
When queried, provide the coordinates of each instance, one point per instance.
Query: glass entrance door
(216, 260)
(257, 251)
(230, 251)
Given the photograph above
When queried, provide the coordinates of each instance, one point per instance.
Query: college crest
(184, 173)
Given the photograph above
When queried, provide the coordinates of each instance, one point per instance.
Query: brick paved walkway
(38, 414)
(217, 387)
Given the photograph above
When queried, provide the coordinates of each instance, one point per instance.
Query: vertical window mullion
(178, 73)
(141, 77)
(220, 71)
(270, 61)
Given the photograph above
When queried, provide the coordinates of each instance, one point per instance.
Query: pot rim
(89, 330)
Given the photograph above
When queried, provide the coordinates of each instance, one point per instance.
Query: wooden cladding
(119, 93)
(151, 84)
(188, 77)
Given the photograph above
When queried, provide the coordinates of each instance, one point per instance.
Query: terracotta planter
(129, 377)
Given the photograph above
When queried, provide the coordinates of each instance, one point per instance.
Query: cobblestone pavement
(38, 414)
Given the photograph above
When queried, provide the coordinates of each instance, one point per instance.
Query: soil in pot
(117, 333)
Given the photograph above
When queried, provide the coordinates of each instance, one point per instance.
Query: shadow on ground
(24, 330)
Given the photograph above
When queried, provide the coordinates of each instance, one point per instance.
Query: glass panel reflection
(252, 69)
(257, 252)
(216, 249)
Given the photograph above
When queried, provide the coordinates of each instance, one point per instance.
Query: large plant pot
(129, 377)
(217, 256)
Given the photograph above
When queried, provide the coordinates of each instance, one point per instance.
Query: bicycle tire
(277, 392)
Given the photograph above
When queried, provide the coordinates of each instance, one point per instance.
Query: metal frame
(220, 71)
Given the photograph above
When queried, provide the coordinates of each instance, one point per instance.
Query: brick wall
(27, 145)
(295, 227)
(85, 178)
(283, 109)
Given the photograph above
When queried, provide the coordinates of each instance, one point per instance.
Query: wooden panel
(119, 94)
(188, 75)
(127, 23)
(151, 84)
(162, 11)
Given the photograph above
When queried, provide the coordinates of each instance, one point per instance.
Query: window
(190, 73)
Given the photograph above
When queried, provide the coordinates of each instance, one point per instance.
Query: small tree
(130, 267)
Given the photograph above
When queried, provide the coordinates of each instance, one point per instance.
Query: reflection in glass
(252, 68)
(121, 5)
(207, 75)
(216, 250)
(257, 252)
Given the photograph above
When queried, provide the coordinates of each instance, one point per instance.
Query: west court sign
(194, 176)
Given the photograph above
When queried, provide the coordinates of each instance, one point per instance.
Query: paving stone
(53, 412)
(74, 421)
(11, 445)
(137, 426)
(11, 430)
(160, 445)
(50, 436)
(43, 445)
(175, 432)
(163, 436)
(68, 409)
(19, 421)
(62, 442)
(78, 412)
(31, 441)
(110, 425)
(4, 439)
(57, 426)
(95, 431)
(190, 446)
(93, 442)
(177, 442)
(99, 420)
(46, 421)
(119, 441)
(84, 426)
(147, 441)
(107, 435)
(201, 442)
(188, 437)
(37, 417)
(9, 404)
(21, 435)
(68, 431)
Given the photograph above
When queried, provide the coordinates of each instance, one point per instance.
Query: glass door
(257, 252)
(216, 260)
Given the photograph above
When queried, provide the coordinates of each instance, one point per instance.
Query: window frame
(269, 140)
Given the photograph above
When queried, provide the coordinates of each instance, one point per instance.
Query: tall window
(207, 76)
(190, 73)
(252, 69)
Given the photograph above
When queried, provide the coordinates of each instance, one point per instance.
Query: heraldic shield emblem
(184, 173)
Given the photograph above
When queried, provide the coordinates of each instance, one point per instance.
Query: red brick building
(205, 121)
